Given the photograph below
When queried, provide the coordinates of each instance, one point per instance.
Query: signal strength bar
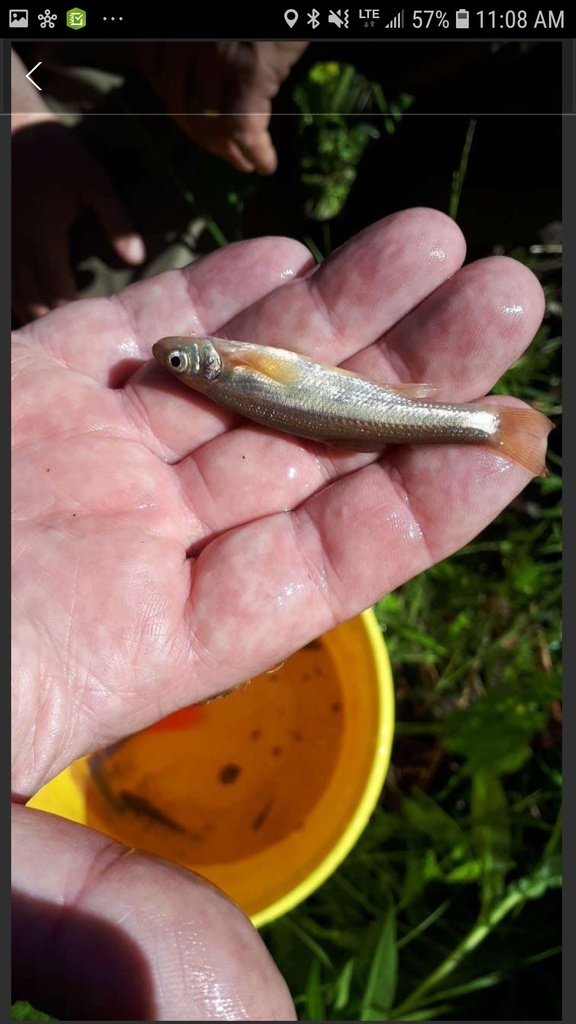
(397, 22)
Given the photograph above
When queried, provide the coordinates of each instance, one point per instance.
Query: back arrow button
(31, 79)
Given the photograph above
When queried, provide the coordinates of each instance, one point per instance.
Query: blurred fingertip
(36, 310)
(133, 249)
(266, 161)
(241, 163)
(267, 168)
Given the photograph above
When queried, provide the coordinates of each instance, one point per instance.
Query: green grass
(448, 907)
(436, 907)
(468, 831)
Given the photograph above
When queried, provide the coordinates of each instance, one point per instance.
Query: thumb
(101, 932)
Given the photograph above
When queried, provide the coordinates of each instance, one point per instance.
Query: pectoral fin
(285, 371)
(269, 364)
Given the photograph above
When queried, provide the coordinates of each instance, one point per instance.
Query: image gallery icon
(18, 19)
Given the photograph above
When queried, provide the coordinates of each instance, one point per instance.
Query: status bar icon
(18, 19)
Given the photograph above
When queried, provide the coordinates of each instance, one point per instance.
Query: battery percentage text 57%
(423, 19)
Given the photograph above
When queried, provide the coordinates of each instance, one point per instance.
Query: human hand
(54, 179)
(234, 80)
(165, 551)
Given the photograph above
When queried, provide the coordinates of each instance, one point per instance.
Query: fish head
(194, 360)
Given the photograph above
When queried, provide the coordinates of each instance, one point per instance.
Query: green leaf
(423, 925)
(491, 834)
(428, 1013)
(427, 817)
(495, 733)
(338, 110)
(23, 1011)
(315, 1009)
(342, 985)
(464, 874)
(421, 868)
(380, 988)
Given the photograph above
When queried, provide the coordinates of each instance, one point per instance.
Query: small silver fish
(289, 392)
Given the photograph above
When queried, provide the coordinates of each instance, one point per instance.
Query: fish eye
(178, 361)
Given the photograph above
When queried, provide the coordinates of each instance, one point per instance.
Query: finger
(99, 195)
(127, 243)
(249, 132)
(194, 100)
(211, 134)
(352, 298)
(251, 472)
(257, 147)
(201, 299)
(199, 107)
(466, 334)
(231, 151)
(104, 933)
(362, 290)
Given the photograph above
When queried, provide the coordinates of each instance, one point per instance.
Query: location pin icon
(291, 16)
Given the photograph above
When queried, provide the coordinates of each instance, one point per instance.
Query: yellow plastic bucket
(263, 791)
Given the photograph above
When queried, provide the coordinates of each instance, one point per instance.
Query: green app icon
(76, 18)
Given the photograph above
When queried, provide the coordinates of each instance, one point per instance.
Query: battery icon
(462, 19)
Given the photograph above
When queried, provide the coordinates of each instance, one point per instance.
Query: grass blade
(382, 980)
(491, 834)
(460, 174)
(315, 1009)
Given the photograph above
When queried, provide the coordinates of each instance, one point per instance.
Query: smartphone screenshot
(286, 307)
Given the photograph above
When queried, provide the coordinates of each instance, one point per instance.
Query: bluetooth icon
(314, 18)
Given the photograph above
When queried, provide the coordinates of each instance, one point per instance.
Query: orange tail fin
(523, 438)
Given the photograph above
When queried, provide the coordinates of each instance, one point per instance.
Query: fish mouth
(161, 350)
(173, 354)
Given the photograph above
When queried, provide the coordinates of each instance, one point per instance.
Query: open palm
(164, 550)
